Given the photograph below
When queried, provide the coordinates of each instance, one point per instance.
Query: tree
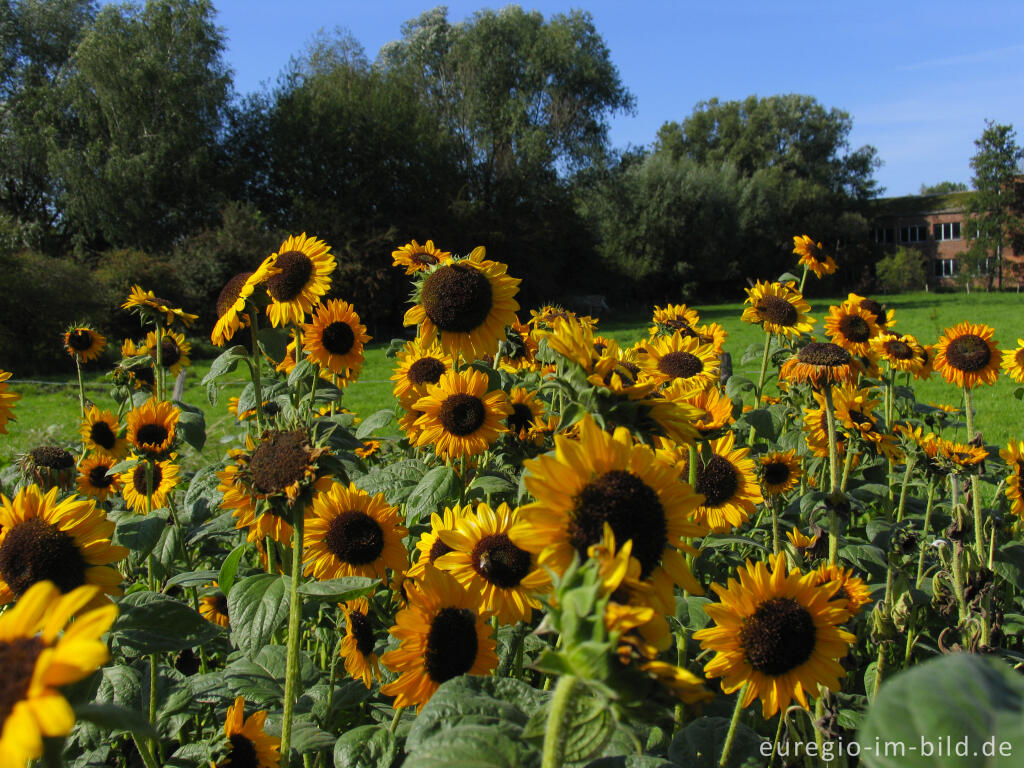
(902, 270)
(995, 213)
(943, 188)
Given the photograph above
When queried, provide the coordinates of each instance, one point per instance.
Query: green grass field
(48, 410)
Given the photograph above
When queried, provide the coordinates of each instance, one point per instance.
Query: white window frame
(949, 230)
(945, 267)
(915, 233)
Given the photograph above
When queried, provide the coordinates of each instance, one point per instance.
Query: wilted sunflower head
(820, 364)
(282, 464)
(48, 466)
(84, 343)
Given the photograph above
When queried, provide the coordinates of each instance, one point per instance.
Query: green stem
(81, 386)
(924, 532)
(760, 384)
(257, 368)
(731, 735)
(775, 525)
(979, 527)
(152, 696)
(144, 752)
(833, 471)
(158, 377)
(558, 716)
(778, 735)
(903, 490)
(803, 279)
(879, 668)
(294, 620)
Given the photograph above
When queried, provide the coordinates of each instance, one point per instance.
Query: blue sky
(918, 78)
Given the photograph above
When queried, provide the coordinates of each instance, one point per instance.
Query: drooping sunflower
(84, 343)
(7, 401)
(777, 634)
(729, 486)
(100, 434)
(441, 636)
(813, 256)
(419, 258)
(852, 588)
(304, 267)
(966, 355)
(466, 305)
(459, 417)
(351, 533)
(357, 647)
(214, 608)
(370, 448)
(335, 339)
(1013, 362)
(49, 466)
(606, 478)
(1013, 455)
(174, 350)
(418, 366)
(135, 485)
(884, 317)
(249, 744)
(232, 300)
(526, 410)
(780, 472)
(901, 351)
(147, 303)
(94, 480)
(851, 327)
(820, 364)
(681, 359)
(66, 542)
(503, 577)
(779, 308)
(41, 653)
(151, 426)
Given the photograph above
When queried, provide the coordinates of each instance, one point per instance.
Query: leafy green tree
(902, 270)
(943, 188)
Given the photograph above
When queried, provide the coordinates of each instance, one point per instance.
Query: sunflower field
(554, 551)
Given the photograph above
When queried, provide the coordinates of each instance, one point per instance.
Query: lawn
(48, 410)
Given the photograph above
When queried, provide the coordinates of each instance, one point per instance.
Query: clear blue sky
(918, 78)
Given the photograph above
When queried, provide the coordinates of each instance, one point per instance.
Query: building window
(948, 231)
(885, 235)
(915, 233)
(945, 267)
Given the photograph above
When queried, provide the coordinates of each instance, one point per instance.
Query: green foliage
(902, 270)
(942, 188)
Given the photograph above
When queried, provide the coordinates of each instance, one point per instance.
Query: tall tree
(995, 213)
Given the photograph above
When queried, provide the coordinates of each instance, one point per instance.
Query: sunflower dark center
(778, 311)
(230, 293)
(823, 353)
(80, 339)
(778, 637)
(152, 435)
(362, 630)
(438, 549)
(899, 350)
(776, 473)
(423, 257)
(876, 310)
(355, 538)
(139, 477)
(280, 460)
(18, 661)
(854, 328)
(968, 353)
(52, 457)
(457, 298)
(170, 352)
(144, 373)
(630, 507)
(98, 477)
(452, 644)
(220, 604)
(101, 434)
(633, 368)
(462, 414)
(717, 480)
(426, 370)
(680, 365)
(296, 269)
(36, 551)
(520, 418)
(243, 752)
(338, 338)
(1018, 358)
(500, 561)
(860, 418)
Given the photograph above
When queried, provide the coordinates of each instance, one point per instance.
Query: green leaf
(700, 744)
(303, 370)
(631, 761)
(151, 622)
(431, 492)
(589, 728)
(471, 746)
(192, 425)
(262, 679)
(736, 386)
(274, 341)
(339, 590)
(761, 421)
(139, 533)
(492, 484)
(974, 701)
(373, 422)
(368, 746)
(257, 606)
(225, 363)
(1008, 562)
(192, 579)
(115, 719)
(229, 568)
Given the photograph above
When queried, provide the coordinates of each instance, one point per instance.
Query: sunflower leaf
(228, 569)
(373, 422)
(225, 363)
(192, 425)
(430, 494)
(151, 622)
(339, 590)
(368, 746)
(258, 605)
(700, 744)
(115, 719)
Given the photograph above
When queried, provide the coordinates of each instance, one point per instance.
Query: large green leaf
(373, 422)
(368, 746)
(433, 489)
(700, 744)
(339, 590)
(472, 746)
(151, 622)
(257, 606)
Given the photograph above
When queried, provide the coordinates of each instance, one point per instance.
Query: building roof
(909, 205)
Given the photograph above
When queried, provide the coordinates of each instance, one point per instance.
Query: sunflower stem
(257, 367)
(395, 719)
(847, 466)
(775, 741)
(294, 620)
(558, 716)
(803, 279)
(924, 533)
(270, 554)
(158, 378)
(81, 385)
(979, 527)
(152, 695)
(903, 491)
(775, 525)
(144, 753)
(731, 735)
(760, 385)
(833, 471)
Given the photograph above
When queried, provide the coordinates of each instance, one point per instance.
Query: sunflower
(249, 744)
(927, 357)
(214, 608)
(1013, 455)
(606, 478)
(674, 318)
(7, 401)
(303, 268)
(441, 636)
(852, 328)
(245, 509)
(152, 425)
(335, 339)
(459, 417)
(780, 472)
(232, 299)
(678, 359)
(370, 448)
(966, 355)
(901, 351)
(813, 256)
(852, 588)
(147, 303)
(140, 374)
(66, 542)
(526, 411)
(1013, 362)
(174, 350)
(853, 409)
(99, 434)
(418, 366)
(800, 541)
(962, 455)
(135, 485)
(816, 432)
(820, 364)
(42, 653)
(430, 545)
(519, 350)
(717, 410)
(83, 343)
(543, 319)
(777, 634)
(357, 647)
(466, 305)
(727, 481)
(503, 577)
(779, 308)
(49, 466)
(408, 423)
(884, 318)
(351, 533)
(94, 478)
(419, 258)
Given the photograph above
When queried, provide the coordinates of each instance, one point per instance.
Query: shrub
(902, 270)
